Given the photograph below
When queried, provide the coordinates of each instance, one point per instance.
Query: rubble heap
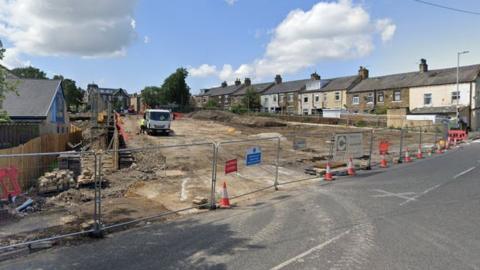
(57, 178)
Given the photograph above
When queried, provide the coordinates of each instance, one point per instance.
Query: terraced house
(436, 93)
(258, 88)
(326, 94)
(283, 96)
(222, 95)
(378, 94)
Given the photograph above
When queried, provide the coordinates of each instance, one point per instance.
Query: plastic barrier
(460, 135)
(10, 188)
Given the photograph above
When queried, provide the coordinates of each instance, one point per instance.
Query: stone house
(221, 95)
(257, 87)
(102, 96)
(283, 97)
(326, 94)
(380, 93)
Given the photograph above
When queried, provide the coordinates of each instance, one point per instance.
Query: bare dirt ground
(169, 172)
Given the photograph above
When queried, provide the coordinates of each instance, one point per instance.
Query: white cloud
(146, 39)
(12, 59)
(386, 29)
(231, 2)
(88, 28)
(329, 30)
(203, 71)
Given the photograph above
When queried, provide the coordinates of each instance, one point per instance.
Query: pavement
(420, 215)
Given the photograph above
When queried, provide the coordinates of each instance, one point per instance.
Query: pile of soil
(228, 117)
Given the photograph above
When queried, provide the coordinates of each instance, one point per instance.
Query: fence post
(400, 158)
(420, 138)
(213, 204)
(97, 218)
(369, 165)
(275, 184)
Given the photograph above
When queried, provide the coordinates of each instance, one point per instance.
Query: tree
(175, 88)
(211, 104)
(251, 99)
(29, 73)
(73, 94)
(5, 86)
(153, 96)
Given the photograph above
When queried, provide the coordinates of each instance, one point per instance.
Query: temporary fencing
(247, 165)
(41, 190)
(75, 193)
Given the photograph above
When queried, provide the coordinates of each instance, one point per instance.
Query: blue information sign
(253, 156)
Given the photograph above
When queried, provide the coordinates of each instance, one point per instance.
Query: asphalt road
(422, 215)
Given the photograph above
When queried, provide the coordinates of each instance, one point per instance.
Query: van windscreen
(160, 116)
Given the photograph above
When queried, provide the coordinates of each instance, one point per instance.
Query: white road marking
(183, 193)
(402, 195)
(421, 194)
(464, 172)
(319, 247)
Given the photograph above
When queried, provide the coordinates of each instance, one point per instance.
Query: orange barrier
(177, 115)
(120, 128)
(460, 135)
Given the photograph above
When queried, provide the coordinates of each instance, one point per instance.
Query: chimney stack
(238, 82)
(423, 65)
(248, 82)
(224, 84)
(363, 73)
(278, 79)
(315, 76)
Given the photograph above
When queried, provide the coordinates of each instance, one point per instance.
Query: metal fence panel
(256, 166)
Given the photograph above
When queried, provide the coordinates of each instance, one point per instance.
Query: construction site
(136, 176)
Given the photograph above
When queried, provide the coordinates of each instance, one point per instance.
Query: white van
(157, 120)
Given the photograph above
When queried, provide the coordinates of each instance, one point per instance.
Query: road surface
(423, 215)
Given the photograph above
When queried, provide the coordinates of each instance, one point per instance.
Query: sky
(131, 44)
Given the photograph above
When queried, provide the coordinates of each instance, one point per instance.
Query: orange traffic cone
(383, 162)
(407, 156)
(224, 201)
(328, 173)
(419, 153)
(350, 168)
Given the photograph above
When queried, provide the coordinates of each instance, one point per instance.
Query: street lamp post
(458, 86)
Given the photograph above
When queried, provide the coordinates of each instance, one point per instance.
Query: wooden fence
(31, 167)
(13, 134)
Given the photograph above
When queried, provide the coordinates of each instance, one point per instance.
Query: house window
(337, 96)
(317, 98)
(380, 97)
(455, 97)
(356, 100)
(225, 98)
(369, 98)
(305, 111)
(397, 96)
(305, 99)
(290, 97)
(265, 99)
(427, 99)
(274, 98)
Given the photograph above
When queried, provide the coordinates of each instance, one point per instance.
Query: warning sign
(348, 145)
(230, 166)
